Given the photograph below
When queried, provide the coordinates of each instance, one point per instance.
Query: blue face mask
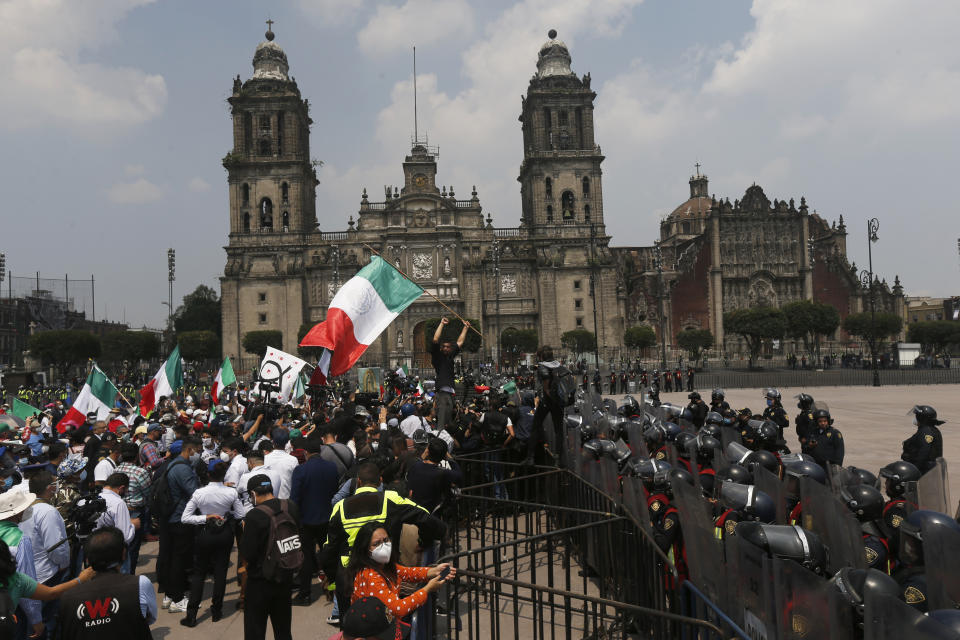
(769, 402)
(7, 483)
(727, 421)
(83, 475)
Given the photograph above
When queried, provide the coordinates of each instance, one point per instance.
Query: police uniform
(777, 415)
(894, 513)
(829, 446)
(719, 407)
(805, 425)
(923, 448)
(877, 553)
(725, 524)
(913, 582)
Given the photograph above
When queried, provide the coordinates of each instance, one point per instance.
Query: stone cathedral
(282, 271)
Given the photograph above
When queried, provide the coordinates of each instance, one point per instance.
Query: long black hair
(8, 565)
(360, 555)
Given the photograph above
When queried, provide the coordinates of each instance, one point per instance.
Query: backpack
(161, 499)
(563, 386)
(8, 617)
(494, 430)
(283, 557)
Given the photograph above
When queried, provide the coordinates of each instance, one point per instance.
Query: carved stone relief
(422, 266)
(508, 283)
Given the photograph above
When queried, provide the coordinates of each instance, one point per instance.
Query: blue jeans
(493, 472)
(421, 627)
(50, 609)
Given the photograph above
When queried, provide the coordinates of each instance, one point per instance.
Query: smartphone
(443, 574)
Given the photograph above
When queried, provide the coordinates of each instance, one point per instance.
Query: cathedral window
(280, 133)
(562, 119)
(548, 127)
(262, 318)
(586, 212)
(549, 213)
(686, 227)
(246, 223)
(586, 186)
(264, 149)
(564, 139)
(285, 192)
(245, 194)
(264, 123)
(577, 285)
(567, 204)
(578, 304)
(248, 132)
(580, 141)
(548, 187)
(579, 323)
(266, 215)
(261, 296)
(286, 221)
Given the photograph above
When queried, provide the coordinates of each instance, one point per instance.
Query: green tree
(516, 342)
(118, 346)
(695, 342)
(578, 342)
(256, 342)
(934, 335)
(640, 337)
(199, 345)
(810, 321)
(64, 348)
(471, 343)
(874, 331)
(756, 325)
(307, 353)
(200, 311)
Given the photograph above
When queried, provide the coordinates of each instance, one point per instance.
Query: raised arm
(439, 331)
(463, 334)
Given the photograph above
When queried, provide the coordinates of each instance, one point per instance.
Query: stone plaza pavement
(872, 420)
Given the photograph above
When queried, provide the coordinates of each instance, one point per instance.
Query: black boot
(189, 620)
(216, 614)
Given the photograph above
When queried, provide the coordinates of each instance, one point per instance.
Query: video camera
(82, 518)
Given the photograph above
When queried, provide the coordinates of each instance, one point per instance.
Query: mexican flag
(225, 378)
(23, 410)
(361, 310)
(168, 379)
(98, 394)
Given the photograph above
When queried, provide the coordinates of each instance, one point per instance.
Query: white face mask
(225, 456)
(208, 443)
(382, 552)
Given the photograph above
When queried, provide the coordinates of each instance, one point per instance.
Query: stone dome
(554, 58)
(270, 61)
(696, 207)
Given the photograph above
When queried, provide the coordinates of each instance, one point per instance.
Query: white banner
(283, 369)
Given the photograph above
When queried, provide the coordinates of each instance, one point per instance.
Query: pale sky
(113, 118)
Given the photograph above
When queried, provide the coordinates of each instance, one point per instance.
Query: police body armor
(108, 606)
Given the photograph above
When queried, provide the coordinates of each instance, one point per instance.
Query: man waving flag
(361, 310)
(168, 379)
(225, 378)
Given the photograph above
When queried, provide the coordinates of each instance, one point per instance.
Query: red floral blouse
(370, 583)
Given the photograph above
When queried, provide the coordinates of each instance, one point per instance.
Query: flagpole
(119, 393)
(439, 301)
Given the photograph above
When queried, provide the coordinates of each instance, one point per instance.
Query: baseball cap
(367, 618)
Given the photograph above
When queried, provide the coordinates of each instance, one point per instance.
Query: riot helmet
(737, 453)
(767, 436)
(630, 406)
(748, 501)
(866, 477)
(764, 459)
(734, 474)
(693, 395)
(652, 472)
(924, 415)
(594, 448)
(822, 413)
(788, 542)
(717, 396)
(609, 405)
(729, 416)
(573, 420)
(707, 446)
(678, 475)
(795, 469)
(588, 431)
(897, 474)
(710, 430)
(856, 585)
(864, 501)
(683, 443)
(713, 417)
(915, 527)
(654, 435)
(804, 401)
(671, 431)
(772, 397)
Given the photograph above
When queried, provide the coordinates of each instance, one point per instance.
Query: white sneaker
(179, 607)
(167, 601)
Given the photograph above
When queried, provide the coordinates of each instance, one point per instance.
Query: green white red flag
(98, 394)
(225, 378)
(358, 314)
(168, 379)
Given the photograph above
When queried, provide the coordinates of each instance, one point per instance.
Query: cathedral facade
(554, 272)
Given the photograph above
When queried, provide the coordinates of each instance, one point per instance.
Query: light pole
(593, 295)
(658, 263)
(3, 267)
(171, 276)
(495, 249)
(866, 280)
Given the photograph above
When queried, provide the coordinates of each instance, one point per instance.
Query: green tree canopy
(695, 342)
(809, 321)
(934, 335)
(579, 341)
(516, 342)
(199, 345)
(640, 337)
(471, 343)
(200, 311)
(873, 330)
(307, 353)
(64, 348)
(118, 346)
(256, 342)
(756, 325)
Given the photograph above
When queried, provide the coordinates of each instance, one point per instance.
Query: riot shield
(635, 438)
(704, 550)
(573, 450)
(841, 477)
(750, 580)
(770, 484)
(933, 489)
(736, 453)
(889, 618)
(941, 554)
(635, 502)
(609, 480)
(807, 605)
(729, 434)
(829, 518)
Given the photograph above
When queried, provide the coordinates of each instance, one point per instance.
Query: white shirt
(117, 515)
(412, 423)
(238, 467)
(103, 469)
(242, 486)
(44, 526)
(284, 464)
(215, 498)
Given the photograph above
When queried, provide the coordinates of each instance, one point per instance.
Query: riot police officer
(866, 504)
(774, 411)
(698, 409)
(896, 475)
(717, 401)
(825, 443)
(804, 419)
(912, 574)
(926, 445)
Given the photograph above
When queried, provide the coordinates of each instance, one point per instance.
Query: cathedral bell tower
(271, 177)
(560, 174)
